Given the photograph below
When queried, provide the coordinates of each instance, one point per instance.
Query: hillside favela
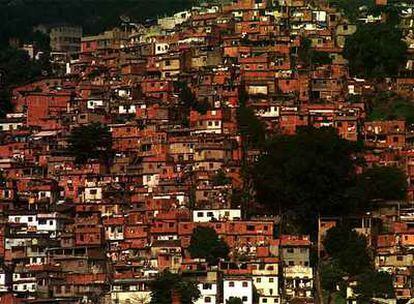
(207, 152)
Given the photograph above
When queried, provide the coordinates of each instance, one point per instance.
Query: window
(207, 300)
(200, 214)
(289, 250)
(93, 191)
(231, 284)
(207, 286)
(244, 299)
(271, 280)
(264, 300)
(400, 258)
(210, 214)
(244, 284)
(291, 263)
(30, 219)
(250, 227)
(42, 222)
(258, 280)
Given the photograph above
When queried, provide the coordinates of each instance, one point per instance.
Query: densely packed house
(99, 233)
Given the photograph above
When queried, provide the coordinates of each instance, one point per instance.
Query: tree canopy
(308, 56)
(383, 183)
(221, 178)
(308, 173)
(234, 300)
(375, 50)
(249, 125)
(351, 8)
(341, 243)
(374, 284)
(16, 68)
(163, 288)
(189, 101)
(205, 243)
(93, 141)
(390, 106)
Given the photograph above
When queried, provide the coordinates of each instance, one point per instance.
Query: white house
(207, 215)
(92, 193)
(41, 223)
(208, 293)
(3, 286)
(95, 103)
(127, 109)
(238, 287)
(298, 281)
(10, 125)
(161, 48)
(24, 282)
(266, 281)
(150, 180)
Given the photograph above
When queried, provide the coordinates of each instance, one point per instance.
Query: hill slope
(19, 16)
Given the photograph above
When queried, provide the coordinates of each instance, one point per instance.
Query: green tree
(93, 141)
(383, 183)
(205, 243)
(390, 106)
(221, 178)
(331, 278)
(189, 101)
(375, 50)
(308, 56)
(309, 173)
(250, 126)
(341, 243)
(234, 300)
(168, 283)
(351, 8)
(305, 51)
(374, 284)
(17, 68)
